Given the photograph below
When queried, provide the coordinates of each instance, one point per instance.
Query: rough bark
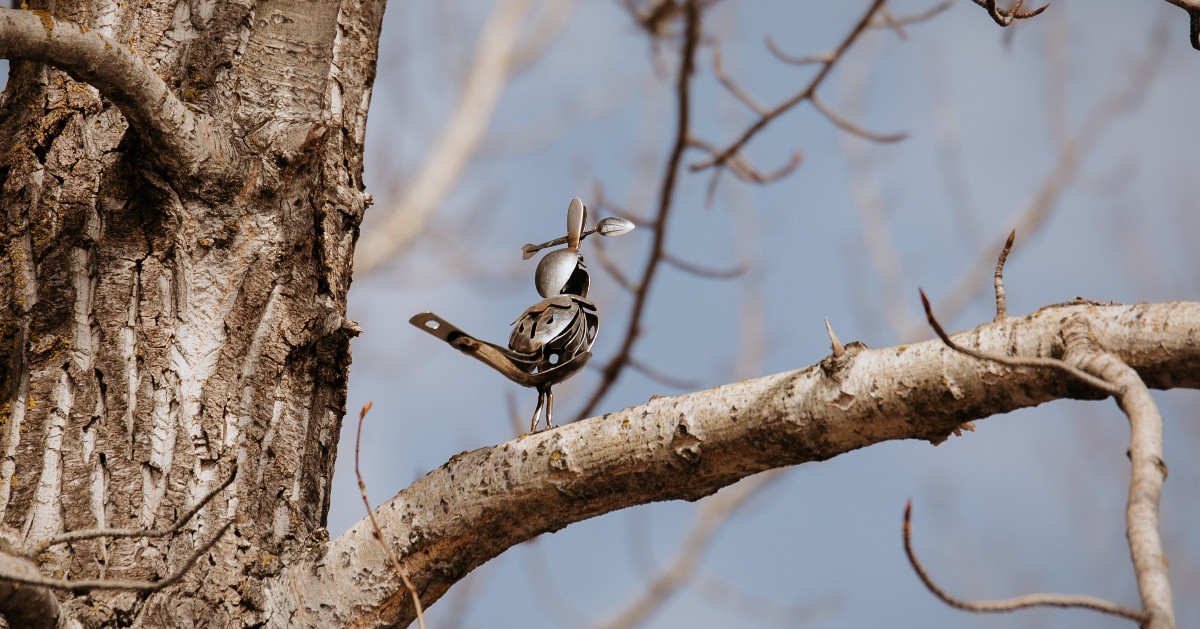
(483, 502)
(161, 320)
(174, 305)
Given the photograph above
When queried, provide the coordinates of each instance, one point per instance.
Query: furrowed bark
(160, 322)
(192, 146)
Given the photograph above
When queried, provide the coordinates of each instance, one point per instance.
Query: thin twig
(87, 585)
(660, 377)
(704, 271)
(722, 157)
(1004, 18)
(687, 64)
(850, 127)
(824, 57)
(180, 522)
(1030, 218)
(742, 169)
(1001, 299)
(1018, 361)
(897, 24)
(732, 87)
(1009, 604)
(375, 530)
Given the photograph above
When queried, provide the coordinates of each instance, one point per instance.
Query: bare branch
(1018, 361)
(850, 127)
(378, 534)
(734, 88)
(660, 377)
(180, 522)
(1009, 604)
(1148, 470)
(458, 141)
(1029, 219)
(1004, 18)
(725, 155)
(87, 585)
(897, 24)
(824, 57)
(34, 607)
(1193, 10)
(687, 64)
(189, 144)
(703, 271)
(689, 446)
(1001, 300)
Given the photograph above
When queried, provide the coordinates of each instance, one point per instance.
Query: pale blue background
(1031, 501)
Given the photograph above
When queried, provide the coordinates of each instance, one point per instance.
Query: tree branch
(687, 64)
(481, 503)
(1148, 470)
(25, 606)
(1009, 604)
(1193, 10)
(187, 144)
(732, 149)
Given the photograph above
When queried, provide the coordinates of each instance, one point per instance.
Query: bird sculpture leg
(537, 412)
(549, 408)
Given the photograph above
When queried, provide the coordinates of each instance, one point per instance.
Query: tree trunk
(173, 309)
(181, 183)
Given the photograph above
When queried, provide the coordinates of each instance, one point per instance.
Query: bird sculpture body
(552, 340)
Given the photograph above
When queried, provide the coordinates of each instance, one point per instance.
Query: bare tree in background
(182, 187)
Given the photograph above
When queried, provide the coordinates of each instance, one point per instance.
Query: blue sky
(1031, 501)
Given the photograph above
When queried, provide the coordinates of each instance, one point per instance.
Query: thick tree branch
(483, 502)
(23, 605)
(187, 144)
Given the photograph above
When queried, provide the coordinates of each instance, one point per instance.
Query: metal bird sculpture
(552, 340)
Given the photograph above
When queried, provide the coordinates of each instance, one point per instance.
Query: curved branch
(1193, 10)
(1004, 17)
(481, 503)
(1009, 604)
(24, 606)
(1148, 470)
(187, 144)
